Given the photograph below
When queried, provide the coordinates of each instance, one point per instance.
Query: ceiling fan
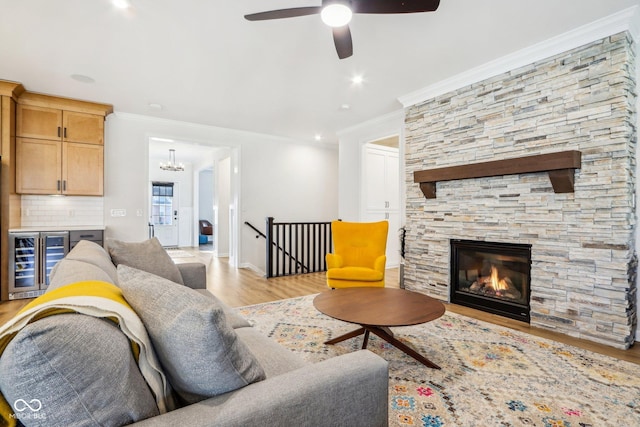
(337, 14)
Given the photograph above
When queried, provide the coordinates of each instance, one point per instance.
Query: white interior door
(381, 191)
(165, 212)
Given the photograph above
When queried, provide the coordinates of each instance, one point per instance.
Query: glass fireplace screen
(491, 276)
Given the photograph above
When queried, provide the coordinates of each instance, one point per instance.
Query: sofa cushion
(273, 357)
(94, 254)
(81, 370)
(355, 273)
(147, 256)
(199, 351)
(69, 271)
(86, 261)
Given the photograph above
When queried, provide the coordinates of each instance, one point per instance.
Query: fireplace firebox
(493, 277)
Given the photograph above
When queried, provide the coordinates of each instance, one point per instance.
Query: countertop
(56, 228)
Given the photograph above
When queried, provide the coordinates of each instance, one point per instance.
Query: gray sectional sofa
(105, 385)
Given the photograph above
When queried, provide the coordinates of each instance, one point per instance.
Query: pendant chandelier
(171, 165)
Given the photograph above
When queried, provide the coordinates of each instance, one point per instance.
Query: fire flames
(493, 285)
(496, 283)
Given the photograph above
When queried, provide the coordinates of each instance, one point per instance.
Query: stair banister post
(269, 239)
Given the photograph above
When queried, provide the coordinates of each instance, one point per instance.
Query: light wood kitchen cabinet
(82, 169)
(10, 201)
(55, 124)
(38, 166)
(82, 127)
(59, 149)
(39, 122)
(54, 167)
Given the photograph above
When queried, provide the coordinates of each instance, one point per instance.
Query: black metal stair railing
(295, 247)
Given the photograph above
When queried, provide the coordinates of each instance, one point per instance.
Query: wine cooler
(32, 256)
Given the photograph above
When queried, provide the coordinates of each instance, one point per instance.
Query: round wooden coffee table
(377, 309)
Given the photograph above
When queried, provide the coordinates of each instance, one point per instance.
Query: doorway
(164, 212)
(381, 190)
(224, 188)
(205, 201)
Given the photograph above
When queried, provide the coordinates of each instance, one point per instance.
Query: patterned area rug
(491, 376)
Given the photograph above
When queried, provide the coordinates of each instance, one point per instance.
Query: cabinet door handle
(64, 185)
(58, 131)
(58, 185)
(65, 132)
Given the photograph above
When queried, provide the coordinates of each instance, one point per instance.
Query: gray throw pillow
(74, 370)
(147, 256)
(199, 351)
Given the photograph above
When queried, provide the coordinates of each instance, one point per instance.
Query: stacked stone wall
(583, 243)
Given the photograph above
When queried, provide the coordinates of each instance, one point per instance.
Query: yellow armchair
(358, 257)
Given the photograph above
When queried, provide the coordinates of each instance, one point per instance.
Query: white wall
(223, 203)
(288, 182)
(206, 192)
(350, 161)
(275, 177)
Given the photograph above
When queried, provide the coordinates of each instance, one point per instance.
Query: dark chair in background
(206, 229)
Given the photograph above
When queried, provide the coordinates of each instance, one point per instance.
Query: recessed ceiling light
(155, 106)
(121, 4)
(318, 137)
(82, 78)
(345, 107)
(357, 79)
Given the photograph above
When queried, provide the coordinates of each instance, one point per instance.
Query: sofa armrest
(348, 390)
(334, 261)
(194, 274)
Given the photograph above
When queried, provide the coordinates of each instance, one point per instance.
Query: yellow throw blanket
(98, 299)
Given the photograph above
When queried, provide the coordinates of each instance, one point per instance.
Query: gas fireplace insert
(491, 276)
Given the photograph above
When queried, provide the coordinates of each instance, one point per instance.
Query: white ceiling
(186, 152)
(204, 63)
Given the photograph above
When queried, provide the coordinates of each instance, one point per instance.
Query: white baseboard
(253, 268)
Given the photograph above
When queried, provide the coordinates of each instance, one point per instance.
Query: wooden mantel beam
(560, 166)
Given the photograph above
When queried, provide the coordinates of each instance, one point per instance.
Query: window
(162, 203)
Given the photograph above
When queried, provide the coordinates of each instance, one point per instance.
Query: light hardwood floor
(240, 287)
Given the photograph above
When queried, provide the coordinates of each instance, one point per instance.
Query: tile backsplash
(62, 211)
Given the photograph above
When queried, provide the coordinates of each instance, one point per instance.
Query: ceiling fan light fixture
(336, 15)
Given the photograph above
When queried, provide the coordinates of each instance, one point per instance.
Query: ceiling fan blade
(283, 13)
(386, 6)
(342, 40)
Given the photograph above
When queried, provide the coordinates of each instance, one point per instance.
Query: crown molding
(215, 133)
(11, 89)
(625, 20)
(397, 115)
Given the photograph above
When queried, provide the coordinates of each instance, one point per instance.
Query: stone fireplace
(583, 259)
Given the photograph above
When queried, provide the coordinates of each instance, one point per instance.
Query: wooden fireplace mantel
(560, 166)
